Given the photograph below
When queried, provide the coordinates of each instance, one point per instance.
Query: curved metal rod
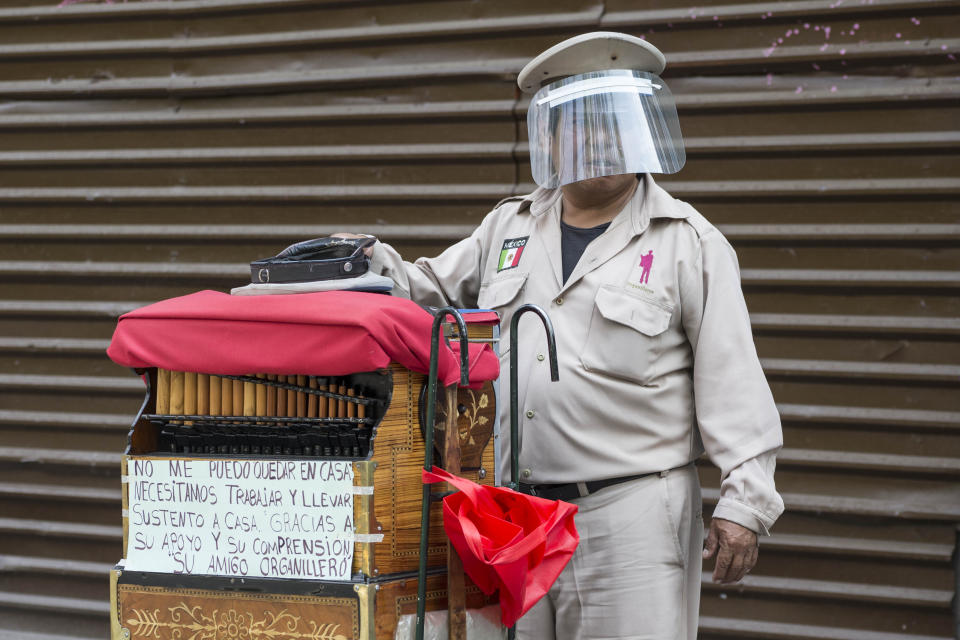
(514, 394)
(464, 345)
(438, 321)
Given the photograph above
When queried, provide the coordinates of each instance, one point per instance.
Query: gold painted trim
(189, 620)
(366, 596)
(125, 502)
(115, 630)
(229, 623)
(363, 518)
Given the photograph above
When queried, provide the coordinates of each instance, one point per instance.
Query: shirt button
(526, 473)
(559, 301)
(530, 413)
(540, 357)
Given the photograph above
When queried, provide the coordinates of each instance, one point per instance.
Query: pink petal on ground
(833, 88)
(799, 90)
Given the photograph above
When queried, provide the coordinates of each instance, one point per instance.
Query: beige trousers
(636, 573)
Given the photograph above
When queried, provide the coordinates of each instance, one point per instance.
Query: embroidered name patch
(511, 252)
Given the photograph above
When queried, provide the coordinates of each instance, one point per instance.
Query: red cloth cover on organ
(508, 541)
(329, 333)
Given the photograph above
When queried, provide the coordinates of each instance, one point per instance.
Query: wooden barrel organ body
(370, 421)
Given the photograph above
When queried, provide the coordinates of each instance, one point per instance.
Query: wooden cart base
(167, 607)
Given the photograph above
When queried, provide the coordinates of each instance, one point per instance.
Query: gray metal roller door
(152, 149)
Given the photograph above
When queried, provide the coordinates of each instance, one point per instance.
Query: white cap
(596, 51)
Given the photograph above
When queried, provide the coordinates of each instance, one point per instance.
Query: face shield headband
(603, 123)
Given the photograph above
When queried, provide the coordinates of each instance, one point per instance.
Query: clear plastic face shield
(603, 123)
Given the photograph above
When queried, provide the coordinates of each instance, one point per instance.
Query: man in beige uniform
(657, 362)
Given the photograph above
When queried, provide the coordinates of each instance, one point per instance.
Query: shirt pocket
(501, 293)
(624, 336)
(503, 296)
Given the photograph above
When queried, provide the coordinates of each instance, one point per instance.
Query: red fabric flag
(508, 541)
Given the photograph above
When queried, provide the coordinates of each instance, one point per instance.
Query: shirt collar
(649, 202)
(542, 200)
(663, 205)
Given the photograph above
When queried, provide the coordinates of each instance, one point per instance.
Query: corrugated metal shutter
(151, 149)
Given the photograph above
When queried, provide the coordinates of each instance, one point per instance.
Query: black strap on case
(313, 260)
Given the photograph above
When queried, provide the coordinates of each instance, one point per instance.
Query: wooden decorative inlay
(476, 413)
(193, 614)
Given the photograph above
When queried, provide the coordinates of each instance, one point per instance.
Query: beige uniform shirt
(657, 361)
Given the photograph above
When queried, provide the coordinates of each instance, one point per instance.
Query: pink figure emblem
(646, 263)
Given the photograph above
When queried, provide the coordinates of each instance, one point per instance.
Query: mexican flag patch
(511, 252)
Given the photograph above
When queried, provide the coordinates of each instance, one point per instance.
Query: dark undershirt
(573, 242)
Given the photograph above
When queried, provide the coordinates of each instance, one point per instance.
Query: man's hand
(737, 550)
(368, 251)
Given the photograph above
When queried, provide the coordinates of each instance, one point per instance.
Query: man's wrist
(743, 515)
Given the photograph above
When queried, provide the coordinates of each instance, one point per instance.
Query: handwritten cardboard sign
(257, 517)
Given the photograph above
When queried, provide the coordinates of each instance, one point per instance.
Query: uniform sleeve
(748, 495)
(736, 414)
(452, 278)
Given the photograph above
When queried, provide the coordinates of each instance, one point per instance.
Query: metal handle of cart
(464, 381)
(515, 395)
(438, 321)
